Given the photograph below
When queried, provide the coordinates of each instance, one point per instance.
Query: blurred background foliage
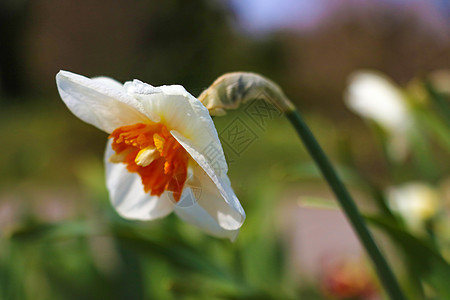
(61, 239)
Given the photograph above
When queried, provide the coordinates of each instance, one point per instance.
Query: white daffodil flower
(414, 202)
(163, 152)
(375, 97)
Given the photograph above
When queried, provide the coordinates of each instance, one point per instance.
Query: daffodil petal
(99, 102)
(184, 113)
(219, 199)
(127, 193)
(196, 215)
(210, 198)
(374, 96)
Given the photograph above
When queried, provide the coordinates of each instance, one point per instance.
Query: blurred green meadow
(60, 238)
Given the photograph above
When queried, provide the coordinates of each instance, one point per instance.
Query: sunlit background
(61, 239)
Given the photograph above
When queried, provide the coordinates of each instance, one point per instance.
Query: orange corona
(152, 152)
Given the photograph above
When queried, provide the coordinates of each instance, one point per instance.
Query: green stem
(384, 272)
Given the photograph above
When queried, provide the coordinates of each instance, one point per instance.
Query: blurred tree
(13, 15)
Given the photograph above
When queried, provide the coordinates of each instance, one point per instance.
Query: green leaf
(130, 282)
(425, 262)
(36, 231)
(440, 103)
(318, 202)
(180, 254)
(435, 126)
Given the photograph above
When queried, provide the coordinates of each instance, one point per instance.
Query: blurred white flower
(375, 97)
(163, 155)
(414, 202)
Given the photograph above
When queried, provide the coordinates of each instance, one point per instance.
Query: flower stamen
(152, 152)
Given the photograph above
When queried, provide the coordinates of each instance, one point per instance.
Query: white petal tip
(229, 222)
(66, 75)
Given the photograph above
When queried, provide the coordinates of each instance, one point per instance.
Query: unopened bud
(231, 90)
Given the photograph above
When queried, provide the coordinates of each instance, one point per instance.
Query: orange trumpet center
(152, 152)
